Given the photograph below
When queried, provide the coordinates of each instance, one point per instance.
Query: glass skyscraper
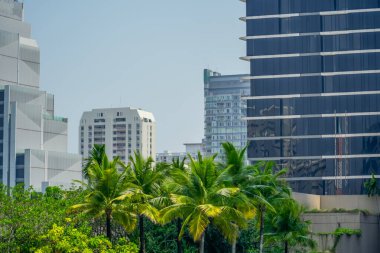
(315, 90)
(224, 111)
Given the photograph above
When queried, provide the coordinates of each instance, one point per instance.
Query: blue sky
(147, 54)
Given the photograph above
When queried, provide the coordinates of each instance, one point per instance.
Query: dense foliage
(185, 207)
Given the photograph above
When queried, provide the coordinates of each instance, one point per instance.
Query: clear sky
(148, 54)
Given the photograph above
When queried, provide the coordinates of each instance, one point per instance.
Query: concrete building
(224, 111)
(121, 130)
(330, 212)
(33, 140)
(315, 90)
(191, 148)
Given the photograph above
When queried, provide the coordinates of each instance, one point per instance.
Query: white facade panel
(8, 44)
(51, 168)
(34, 140)
(29, 73)
(8, 67)
(15, 26)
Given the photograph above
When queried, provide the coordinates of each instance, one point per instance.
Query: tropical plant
(287, 226)
(237, 175)
(178, 165)
(200, 198)
(146, 179)
(78, 240)
(371, 186)
(108, 191)
(266, 187)
(96, 156)
(20, 215)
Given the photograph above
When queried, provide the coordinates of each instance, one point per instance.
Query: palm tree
(266, 186)
(96, 157)
(199, 197)
(258, 182)
(236, 173)
(146, 178)
(178, 165)
(288, 226)
(108, 191)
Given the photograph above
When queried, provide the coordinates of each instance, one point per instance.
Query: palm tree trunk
(142, 236)
(262, 211)
(233, 247)
(179, 241)
(108, 224)
(202, 243)
(286, 247)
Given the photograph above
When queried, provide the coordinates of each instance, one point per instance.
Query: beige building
(121, 130)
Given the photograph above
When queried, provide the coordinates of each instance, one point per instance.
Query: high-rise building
(33, 139)
(315, 90)
(121, 130)
(224, 111)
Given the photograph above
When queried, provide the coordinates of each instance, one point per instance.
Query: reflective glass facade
(315, 91)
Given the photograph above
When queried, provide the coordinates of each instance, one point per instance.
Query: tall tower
(315, 90)
(225, 109)
(33, 139)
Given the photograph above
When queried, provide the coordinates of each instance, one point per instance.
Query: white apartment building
(33, 140)
(121, 130)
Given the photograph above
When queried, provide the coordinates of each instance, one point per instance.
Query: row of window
(223, 98)
(315, 23)
(314, 105)
(315, 64)
(314, 126)
(316, 84)
(212, 105)
(227, 130)
(222, 118)
(225, 111)
(314, 147)
(270, 7)
(313, 44)
(330, 187)
(326, 167)
(225, 124)
(229, 137)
